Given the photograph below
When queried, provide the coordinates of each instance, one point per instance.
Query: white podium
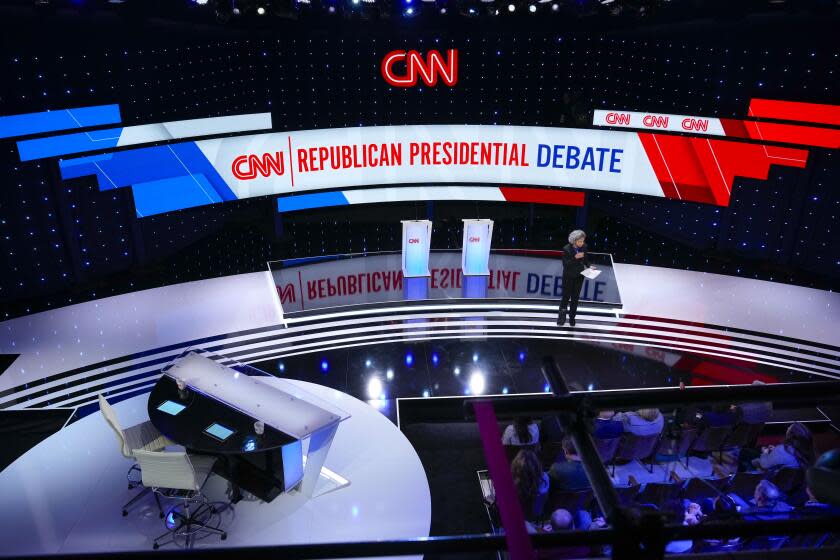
(475, 257)
(416, 241)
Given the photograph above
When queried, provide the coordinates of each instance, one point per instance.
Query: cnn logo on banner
(246, 167)
(428, 70)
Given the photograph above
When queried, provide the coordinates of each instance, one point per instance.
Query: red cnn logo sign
(248, 166)
(475, 239)
(414, 240)
(428, 69)
(618, 118)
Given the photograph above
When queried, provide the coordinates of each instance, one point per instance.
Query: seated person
(721, 510)
(644, 422)
(767, 503)
(568, 475)
(797, 450)
(523, 431)
(562, 520)
(531, 483)
(606, 426)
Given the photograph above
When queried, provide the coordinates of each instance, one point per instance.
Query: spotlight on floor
(477, 383)
(374, 388)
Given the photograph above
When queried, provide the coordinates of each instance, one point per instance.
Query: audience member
(531, 483)
(523, 431)
(768, 503)
(754, 412)
(568, 475)
(606, 426)
(797, 450)
(562, 520)
(644, 422)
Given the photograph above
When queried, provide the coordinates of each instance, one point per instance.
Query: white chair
(141, 436)
(175, 474)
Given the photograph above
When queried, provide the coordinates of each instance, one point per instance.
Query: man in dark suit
(574, 262)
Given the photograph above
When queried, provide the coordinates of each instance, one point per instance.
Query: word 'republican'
(418, 153)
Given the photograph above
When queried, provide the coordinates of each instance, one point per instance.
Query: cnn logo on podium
(415, 66)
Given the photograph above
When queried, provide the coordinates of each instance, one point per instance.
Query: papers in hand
(591, 273)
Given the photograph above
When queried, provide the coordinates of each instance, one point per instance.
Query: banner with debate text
(187, 174)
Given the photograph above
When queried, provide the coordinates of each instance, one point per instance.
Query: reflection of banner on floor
(379, 278)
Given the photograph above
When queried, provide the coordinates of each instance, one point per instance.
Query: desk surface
(187, 427)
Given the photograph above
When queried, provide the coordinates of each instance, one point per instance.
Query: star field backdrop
(62, 243)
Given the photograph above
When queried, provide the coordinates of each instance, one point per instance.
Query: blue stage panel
(51, 121)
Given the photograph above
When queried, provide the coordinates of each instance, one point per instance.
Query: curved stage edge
(117, 345)
(73, 505)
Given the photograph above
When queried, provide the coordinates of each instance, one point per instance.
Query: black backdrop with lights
(65, 243)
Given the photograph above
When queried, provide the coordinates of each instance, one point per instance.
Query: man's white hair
(575, 235)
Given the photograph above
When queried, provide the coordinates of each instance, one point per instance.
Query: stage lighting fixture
(457, 370)
(409, 11)
(389, 375)
(368, 363)
(504, 390)
(374, 388)
(261, 10)
(475, 357)
(281, 366)
(409, 359)
(522, 356)
(443, 11)
(546, 388)
(477, 383)
(325, 365)
(511, 8)
(426, 393)
(532, 8)
(201, 2)
(435, 358)
(555, 7)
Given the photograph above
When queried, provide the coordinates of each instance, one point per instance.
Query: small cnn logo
(475, 239)
(414, 240)
(428, 70)
(247, 167)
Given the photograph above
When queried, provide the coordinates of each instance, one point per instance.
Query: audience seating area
(674, 484)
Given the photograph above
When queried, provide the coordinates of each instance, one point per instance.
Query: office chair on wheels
(140, 436)
(178, 475)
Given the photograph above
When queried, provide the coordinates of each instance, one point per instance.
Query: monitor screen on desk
(171, 407)
(218, 431)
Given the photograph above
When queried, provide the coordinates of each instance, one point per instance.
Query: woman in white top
(797, 450)
(644, 422)
(523, 431)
